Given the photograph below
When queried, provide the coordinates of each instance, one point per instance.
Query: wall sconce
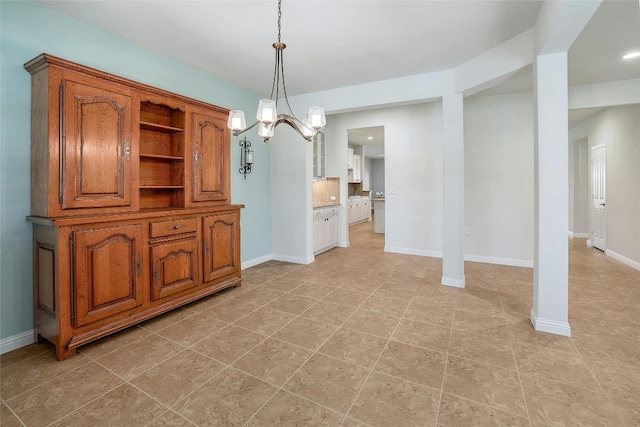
(246, 157)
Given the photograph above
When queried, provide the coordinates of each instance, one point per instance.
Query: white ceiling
(330, 44)
(596, 55)
(372, 138)
(336, 43)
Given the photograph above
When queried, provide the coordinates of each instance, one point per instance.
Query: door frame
(598, 192)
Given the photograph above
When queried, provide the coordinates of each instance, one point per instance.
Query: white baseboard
(623, 259)
(17, 341)
(550, 326)
(407, 251)
(589, 243)
(571, 234)
(580, 235)
(293, 259)
(502, 261)
(476, 258)
(255, 261)
(455, 283)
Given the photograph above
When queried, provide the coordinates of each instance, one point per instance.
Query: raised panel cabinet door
(96, 138)
(210, 158)
(221, 234)
(174, 267)
(319, 234)
(332, 230)
(107, 272)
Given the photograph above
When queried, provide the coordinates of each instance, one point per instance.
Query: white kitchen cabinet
(358, 210)
(350, 158)
(354, 174)
(332, 232)
(319, 235)
(319, 156)
(366, 175)
(366, 209)
(351, 212)
(325, 228)
(357, 168)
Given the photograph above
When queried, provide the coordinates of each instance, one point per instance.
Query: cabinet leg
(64, 353)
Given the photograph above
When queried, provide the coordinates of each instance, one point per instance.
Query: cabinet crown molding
(44, 60)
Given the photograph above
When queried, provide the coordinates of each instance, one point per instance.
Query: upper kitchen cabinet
(319, 156)
(350, 158)
(354, 174)
(365, 173)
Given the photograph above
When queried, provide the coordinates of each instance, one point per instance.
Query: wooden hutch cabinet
(130, 202)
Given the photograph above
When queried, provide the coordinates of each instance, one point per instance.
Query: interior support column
(453, 218)
(551, 218)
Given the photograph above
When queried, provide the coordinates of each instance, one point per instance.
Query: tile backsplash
(355, 189)
(326, 192)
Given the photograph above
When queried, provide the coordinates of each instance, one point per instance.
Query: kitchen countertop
(328, 205)
(378, 199)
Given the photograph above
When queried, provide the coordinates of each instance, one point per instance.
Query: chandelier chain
(268, 116)
(279, 18)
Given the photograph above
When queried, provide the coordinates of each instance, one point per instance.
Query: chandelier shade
(267, 115)
(267, 111)
(236, 121)
(316, 117)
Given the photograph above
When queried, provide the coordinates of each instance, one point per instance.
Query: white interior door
(598, 198)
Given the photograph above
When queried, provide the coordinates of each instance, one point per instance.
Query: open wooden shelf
(160, 157)
(162, 153)
(154, 127)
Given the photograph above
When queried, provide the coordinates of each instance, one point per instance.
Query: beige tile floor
(358, 338)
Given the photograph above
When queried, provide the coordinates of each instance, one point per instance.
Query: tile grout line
(515, 361)
(96, 361)
(12, 412)
(606, 395)
(512, 339)
(373, 366)
(304, 363)
(266, 337)
(128, 382)
(446, 362)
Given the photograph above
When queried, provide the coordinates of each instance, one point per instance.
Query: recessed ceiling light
(631, 55)
(370, 137)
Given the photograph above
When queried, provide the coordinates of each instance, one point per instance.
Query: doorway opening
(365, 173)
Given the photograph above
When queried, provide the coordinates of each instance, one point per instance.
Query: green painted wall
(29, 29)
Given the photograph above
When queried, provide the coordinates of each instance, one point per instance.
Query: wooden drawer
(175, 267)
(170, 228)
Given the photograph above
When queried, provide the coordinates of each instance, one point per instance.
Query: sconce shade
(236, 121)
(316, 117)
(267, 113)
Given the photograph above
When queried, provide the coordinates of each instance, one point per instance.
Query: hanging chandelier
(267, 115)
